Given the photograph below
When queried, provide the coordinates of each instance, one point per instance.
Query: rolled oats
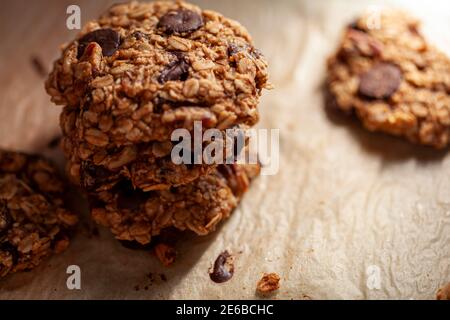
(133, 76)
(198, 206)
(196, 54)
(33, 220)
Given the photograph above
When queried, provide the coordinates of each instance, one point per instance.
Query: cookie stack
(127, 82)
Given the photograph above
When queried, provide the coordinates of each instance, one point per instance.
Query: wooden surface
(343, 201)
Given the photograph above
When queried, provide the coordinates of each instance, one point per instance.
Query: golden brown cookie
(34, 222)
(134, 215)
(392, 79)
(143, 69)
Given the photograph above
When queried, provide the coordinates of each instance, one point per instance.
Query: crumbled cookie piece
(269, 283)
(135, 215)
(443, 293)
(392, 79)
(165, 253)
(33, 220)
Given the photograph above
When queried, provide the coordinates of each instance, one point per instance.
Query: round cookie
(33, 220)
(134, 215)
(143, 69)
(392, 79)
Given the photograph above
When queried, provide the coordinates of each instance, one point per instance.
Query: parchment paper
(345, 207)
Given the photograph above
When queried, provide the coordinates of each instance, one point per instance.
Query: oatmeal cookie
(33, 220)
(134, 215)
(149, 165)
(142, 165)
(392, 79)
(143, 69)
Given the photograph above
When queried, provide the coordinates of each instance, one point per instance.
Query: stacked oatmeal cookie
(127, 82)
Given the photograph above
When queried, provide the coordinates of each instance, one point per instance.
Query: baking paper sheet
(350, 214)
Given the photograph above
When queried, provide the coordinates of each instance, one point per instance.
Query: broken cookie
(269, 283)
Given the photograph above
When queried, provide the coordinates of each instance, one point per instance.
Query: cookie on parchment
(392, 79)
(144, 69)
(134, 215)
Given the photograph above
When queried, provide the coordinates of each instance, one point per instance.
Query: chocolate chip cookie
(134, 215)
(149, 165)
(392, 79)
(143, 69)
(34, 222)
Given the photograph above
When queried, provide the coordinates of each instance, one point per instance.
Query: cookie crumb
(269, 283)
(163, 277)
(38, 66)
(443, 293)
(165, 253)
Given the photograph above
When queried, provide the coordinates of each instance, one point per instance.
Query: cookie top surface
(33, 220)
(199, 206)
(392, 78)
(142, 69)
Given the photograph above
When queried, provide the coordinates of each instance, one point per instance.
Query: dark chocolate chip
(5, 218)
(223, 269)
(234, 49)
(380, 82)
(129, 198)
(93, 176)
(163, 277)
(107, 39)
(180, 21)
(177, 70)
(12, 250)
(139, 35)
